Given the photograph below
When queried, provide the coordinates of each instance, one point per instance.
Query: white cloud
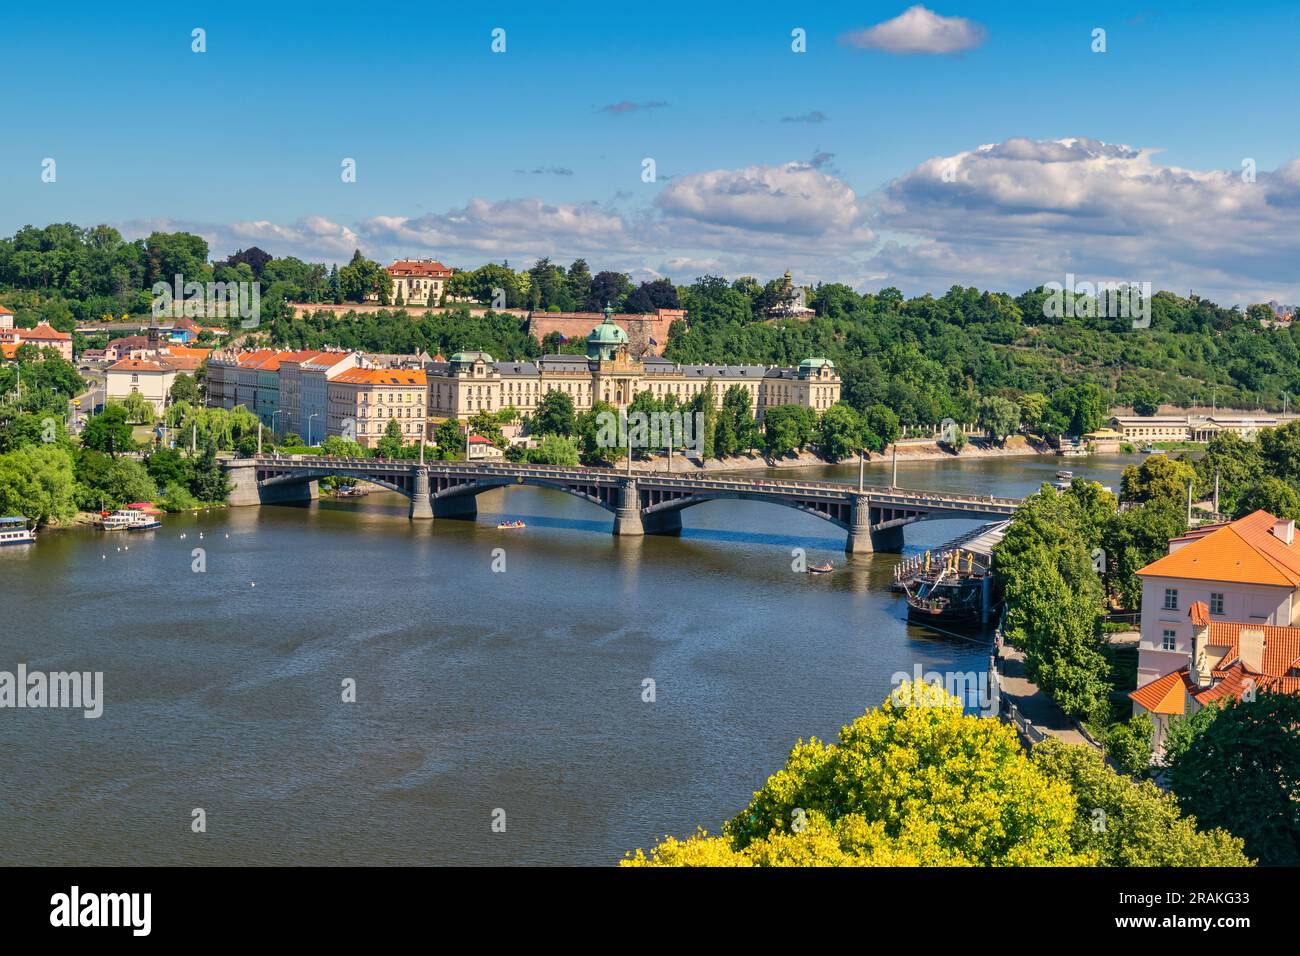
(918, 30)
(795, 199)
(1015, 214)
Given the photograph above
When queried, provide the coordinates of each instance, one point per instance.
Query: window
(1168, 640)
(1171, 599)
(1216, 602)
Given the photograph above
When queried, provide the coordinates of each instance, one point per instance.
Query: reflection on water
(476, 689)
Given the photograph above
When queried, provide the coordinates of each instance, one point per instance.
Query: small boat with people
(510, 525)
(820, 568)
(14, 530)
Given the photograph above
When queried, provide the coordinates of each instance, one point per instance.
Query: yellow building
(473, 382)
(362, 401)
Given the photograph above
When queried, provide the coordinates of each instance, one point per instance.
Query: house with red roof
(417, 281)
(43, 336)
(1219, 617)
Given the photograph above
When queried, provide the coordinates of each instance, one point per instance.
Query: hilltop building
(646, 334)
(417, 281)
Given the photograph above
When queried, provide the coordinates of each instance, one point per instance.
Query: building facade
(473, 382)
(1218, 583)
(1192, 428)
(362, 401)
(417, 281)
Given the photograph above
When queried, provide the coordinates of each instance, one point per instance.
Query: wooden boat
(14, 530)
(820, 568)
(508, 525)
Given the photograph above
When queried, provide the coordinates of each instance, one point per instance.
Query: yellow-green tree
(914, 782)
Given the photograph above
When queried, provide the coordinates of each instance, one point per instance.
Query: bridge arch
(677, 505)
(308, 476)
(472, 489)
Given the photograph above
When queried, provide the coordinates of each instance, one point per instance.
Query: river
(477, 690)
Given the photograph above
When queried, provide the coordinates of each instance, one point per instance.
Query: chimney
(1250, 648)
(1284, 530)
(1200, 669)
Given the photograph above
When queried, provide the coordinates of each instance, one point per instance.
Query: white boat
(15, 531)
(128, 519)
(1065, 475)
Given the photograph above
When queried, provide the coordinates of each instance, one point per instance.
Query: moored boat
(507, 525)
(821, 568)
(14, 530)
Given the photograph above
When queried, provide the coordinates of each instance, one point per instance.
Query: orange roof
(1199, 613)
(1281, 646)
(44, 332)
(1164, 695)
(1244, 551)
(182, 351)
(382, 376)
(9, 349)
(415, 267)
(478, 440)
(139, 365)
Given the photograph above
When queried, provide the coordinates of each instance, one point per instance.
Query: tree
(736, 430)
(1054, 599)
(209, 483)
(554, 450)
(1125, 822)
(109, 431)
(1159, 478)
(1242, 772)
(1277, 497)
(185, 389)
(880, 427)
(999, 417)
(554, 414)
(166, 466)
(37, 481)
(111, 482)
(914, 782)
(1129, 744)
(787, 428)
(390, 446)
(339, 447)
(1134, 538)
(362, 277)
(138, 411)
(450, 439)
(1279, 450)
(840, 432)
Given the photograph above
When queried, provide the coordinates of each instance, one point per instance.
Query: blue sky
(765, 158)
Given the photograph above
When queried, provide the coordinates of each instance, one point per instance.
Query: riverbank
(1017, 445)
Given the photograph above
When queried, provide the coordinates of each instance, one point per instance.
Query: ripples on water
(475, 690)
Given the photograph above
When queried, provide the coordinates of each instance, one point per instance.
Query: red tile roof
(1199, 613)
(382, 376)
(419, 268)
(1244, 551)
(44, 332)
(1165, 695)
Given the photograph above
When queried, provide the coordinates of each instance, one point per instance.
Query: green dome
(605, 339)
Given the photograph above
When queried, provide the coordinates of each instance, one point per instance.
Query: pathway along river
(475, 690)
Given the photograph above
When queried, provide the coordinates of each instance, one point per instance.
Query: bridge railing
(900, 496)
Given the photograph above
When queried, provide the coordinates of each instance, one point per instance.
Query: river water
(481, 694)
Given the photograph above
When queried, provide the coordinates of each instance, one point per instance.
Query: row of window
(1171, 601)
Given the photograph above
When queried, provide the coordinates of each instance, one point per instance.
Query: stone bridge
(642, 502)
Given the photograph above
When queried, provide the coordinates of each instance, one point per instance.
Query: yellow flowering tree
(915, 782)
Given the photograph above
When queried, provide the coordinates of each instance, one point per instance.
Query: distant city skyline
(969, 143)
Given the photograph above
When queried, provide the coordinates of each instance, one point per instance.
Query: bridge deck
(653, 480)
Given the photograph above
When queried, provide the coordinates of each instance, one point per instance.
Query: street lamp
(309, 418)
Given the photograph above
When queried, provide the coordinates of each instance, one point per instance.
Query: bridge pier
(863, 540)
(421, 502)
(243, 486)
(627, 519)
(292, 493)
(456, 507)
